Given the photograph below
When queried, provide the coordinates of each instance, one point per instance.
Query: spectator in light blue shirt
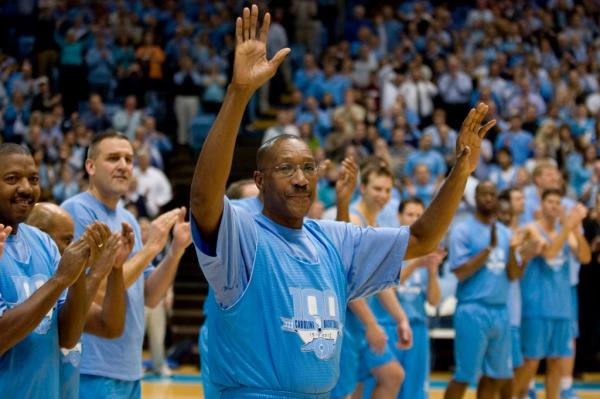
(516, 140)
(429, 157)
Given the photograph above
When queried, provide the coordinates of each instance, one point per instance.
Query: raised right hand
(251, 69)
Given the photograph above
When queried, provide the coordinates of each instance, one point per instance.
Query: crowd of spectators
(363, 79)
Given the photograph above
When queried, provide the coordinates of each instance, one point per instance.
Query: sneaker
(165, 371)
(531, 394)
(568, 394)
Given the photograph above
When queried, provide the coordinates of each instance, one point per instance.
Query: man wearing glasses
(281, 282)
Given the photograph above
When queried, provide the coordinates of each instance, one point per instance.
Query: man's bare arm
(108, 320)
(251, 70)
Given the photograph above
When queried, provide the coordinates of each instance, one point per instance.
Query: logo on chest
(25, 286)
(496, 262)
(316, 320)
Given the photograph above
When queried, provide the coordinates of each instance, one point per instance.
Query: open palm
(472, 132)
(251, 69)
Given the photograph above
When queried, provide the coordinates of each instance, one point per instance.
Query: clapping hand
(346, 182)
(182, 233)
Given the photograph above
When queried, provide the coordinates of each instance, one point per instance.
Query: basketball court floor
(186, 384)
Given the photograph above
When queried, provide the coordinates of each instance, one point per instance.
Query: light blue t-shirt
(369, 255)
(30, 369)
(412, 295)
(514, 303)
(518, 143)
(545, 286)
(292, 284)
(489, 285)
(119, 358)
(532, 204)
(251, 205)
(431, 158)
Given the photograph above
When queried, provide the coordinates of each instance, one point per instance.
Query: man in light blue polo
(280, 282)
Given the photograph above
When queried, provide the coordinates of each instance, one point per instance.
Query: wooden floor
(173, 390)
(186, 385)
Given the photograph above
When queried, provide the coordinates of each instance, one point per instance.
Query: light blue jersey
(357, 358)
(281, 329)
(545, 286)
(514, 303)
(412, 295)
(252, 205)
(70, 359)
(489, 285)
(120, 358)
(30, 368)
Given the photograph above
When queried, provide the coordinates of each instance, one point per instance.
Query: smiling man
(36, 318)
(281, 282)
(113, 367)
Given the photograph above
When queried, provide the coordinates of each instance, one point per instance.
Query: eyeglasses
(309, 169)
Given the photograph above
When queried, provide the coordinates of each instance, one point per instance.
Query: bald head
(54, 221)
(267, 150)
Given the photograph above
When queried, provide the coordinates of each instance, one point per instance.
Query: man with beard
(281, 328)
(482, 255)
(36, 318)
(113, 368)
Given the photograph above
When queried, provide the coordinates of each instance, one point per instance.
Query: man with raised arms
(281, 282)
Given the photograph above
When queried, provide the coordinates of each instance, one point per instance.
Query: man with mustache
(37, 315)
(280, 282)
(104, 319)
(113, 367)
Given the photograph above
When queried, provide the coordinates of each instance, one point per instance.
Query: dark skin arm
(476, 262)
(108, 320)
(18, 322)
(251, 70)
(71, 319)
(429, 229)
(514, 269)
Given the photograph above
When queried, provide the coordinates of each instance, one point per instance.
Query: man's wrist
(175, 251)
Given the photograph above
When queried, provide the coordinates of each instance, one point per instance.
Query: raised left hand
(472, 132)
